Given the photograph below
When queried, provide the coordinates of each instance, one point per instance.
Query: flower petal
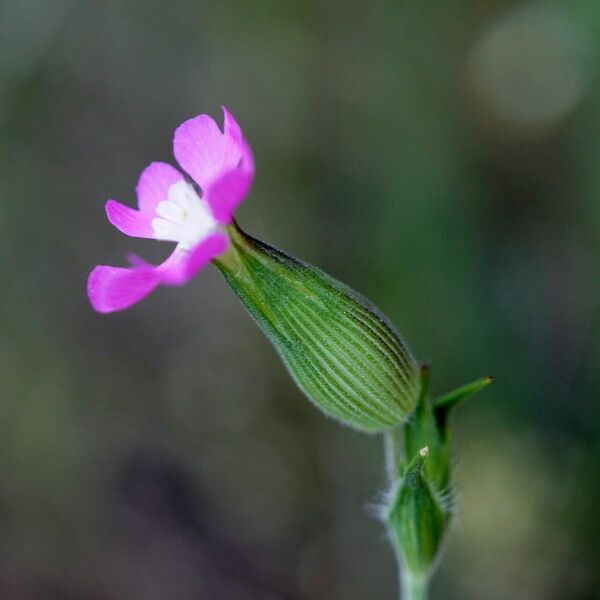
(227, 192)
(203, 151)
(113, 288)
(153, 186)
(182, 265)
(225, 195)
(129, 221)
(234, 131)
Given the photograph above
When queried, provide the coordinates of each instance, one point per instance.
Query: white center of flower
(184, 218)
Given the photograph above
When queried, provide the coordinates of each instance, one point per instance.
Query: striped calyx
(341, 351)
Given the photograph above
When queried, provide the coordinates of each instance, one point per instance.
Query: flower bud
(429, 427)
(416, 519)
(341, 351)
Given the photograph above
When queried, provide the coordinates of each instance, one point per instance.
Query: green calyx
(421, 505)
(341, 351)
(416, 519)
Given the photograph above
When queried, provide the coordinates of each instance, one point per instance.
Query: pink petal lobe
(136, 261)
(230, 125)
(112, 288)
(183, 265)
(233, 131)
(227, 193)
(129, 221)
(220, 162)
(203, 151)
(153, 186)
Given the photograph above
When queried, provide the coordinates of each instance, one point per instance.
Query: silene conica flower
(191, 211)
(341, 351)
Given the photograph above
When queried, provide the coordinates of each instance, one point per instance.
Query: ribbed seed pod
(341, 351)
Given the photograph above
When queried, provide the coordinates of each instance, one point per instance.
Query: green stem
(413, 587)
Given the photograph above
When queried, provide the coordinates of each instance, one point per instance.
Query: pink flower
(173, 209)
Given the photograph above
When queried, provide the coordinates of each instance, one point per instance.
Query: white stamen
(184, 218)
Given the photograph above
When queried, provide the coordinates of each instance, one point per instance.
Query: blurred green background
(443, 157)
